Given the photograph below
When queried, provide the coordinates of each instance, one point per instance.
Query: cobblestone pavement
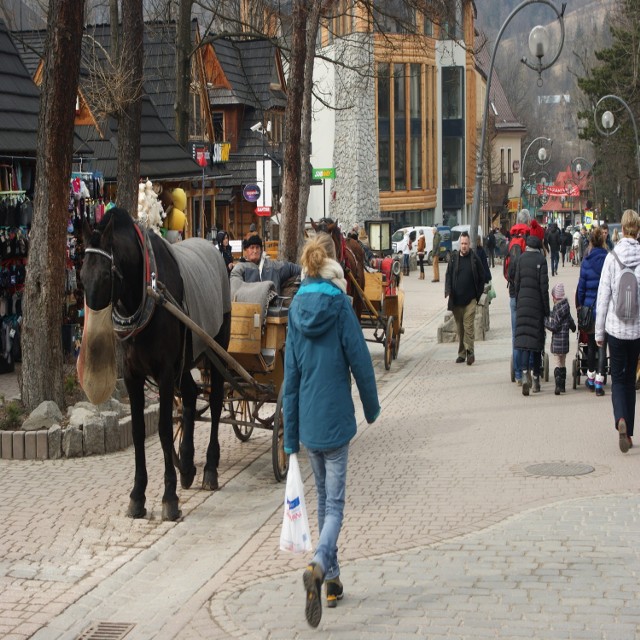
(447, 533)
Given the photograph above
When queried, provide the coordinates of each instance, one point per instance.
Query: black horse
(121, 260)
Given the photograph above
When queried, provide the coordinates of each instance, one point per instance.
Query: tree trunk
(42, 373)
(183, 71)
(114, 19)
(129, 115)
(293, 117)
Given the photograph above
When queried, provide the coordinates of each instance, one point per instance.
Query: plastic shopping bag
(295, 535)
(491, 294)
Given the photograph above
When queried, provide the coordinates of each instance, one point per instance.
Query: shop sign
(251, 192)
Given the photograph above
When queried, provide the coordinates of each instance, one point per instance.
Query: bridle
(129, 326)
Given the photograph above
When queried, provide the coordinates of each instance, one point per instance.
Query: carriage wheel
(576, 375)
(241, 412)
(279, 458)
(388, 343)
(396, 338)
(177, 432)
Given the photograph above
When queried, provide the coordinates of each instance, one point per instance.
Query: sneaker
(335, 592)
(525, 387)
(460, 359)
(519, 382)
(590, 383)
(623, 437)
(536, 384)
(471, 359)
(599, 389)
(312, 579)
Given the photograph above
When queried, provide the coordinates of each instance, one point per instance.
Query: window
(415, 124)
(452, 93)
(509, 167)
(452, 26)
(452, 163)
(384, 127)
(400, 126)
(218, 126)
(393, 16)
(196, 125)
(503, 177)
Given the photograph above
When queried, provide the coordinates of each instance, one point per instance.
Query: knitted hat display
(558, 291)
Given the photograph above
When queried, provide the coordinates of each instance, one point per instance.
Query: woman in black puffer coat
(532, 307)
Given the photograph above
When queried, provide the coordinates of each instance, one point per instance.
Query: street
(447, 532)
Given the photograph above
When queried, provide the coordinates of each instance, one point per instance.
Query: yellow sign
(514, 205)
(588, 219)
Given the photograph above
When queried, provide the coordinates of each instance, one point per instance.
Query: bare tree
(42, 375)
(183, 70)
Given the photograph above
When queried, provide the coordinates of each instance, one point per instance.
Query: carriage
(382, 306)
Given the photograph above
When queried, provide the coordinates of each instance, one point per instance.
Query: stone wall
(355, 148)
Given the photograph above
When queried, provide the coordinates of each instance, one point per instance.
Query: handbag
(295, 535)
(491, 294)
(585, 319)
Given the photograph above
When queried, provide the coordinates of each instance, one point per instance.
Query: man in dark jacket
(532, 307)
(553, 240)
(464, 284)
(491, 247)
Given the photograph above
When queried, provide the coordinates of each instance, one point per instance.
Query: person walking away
(565, 244)
(482, 254)
(422, 244)
(586, 294)
(464, 284)
(323, 336)
(554, 241)
(618, 322)
(435, 255)
(406, 253)
(560, 322)
(491, 247)
(532, 307)
(225, 250)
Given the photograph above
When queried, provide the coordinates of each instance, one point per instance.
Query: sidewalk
(447, 533)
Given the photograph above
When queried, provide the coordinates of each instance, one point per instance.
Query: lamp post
(608, 121)
(542, 157)
(580, 166)
(538, 43)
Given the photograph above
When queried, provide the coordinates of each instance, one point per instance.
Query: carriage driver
(256, 266)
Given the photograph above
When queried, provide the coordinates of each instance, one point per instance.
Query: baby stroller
(580, 361)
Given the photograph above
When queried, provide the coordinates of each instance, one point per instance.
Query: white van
(457, 230)
(399, 239)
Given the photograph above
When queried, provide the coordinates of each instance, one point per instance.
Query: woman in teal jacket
(325, 345)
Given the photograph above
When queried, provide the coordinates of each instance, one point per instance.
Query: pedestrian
(560, 322)
(590, 272)
(464, 284)
(482, 254)
(565, 244)
(406, 254)
(422, 244)
(324, 336)
(225, 250)
(608, 243)
(491, 247)
(435, 255)
(252, 231)
(532, 307)
(553, 240)
(622, 336)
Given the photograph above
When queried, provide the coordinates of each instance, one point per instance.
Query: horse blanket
(206, 286)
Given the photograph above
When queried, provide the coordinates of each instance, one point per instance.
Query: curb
(49, 444)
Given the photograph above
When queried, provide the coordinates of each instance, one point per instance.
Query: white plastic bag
(295, 535)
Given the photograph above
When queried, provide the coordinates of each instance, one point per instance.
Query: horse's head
(99, 274)
(327, 225)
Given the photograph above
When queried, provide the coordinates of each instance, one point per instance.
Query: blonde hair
(316, 251)
(629, 224)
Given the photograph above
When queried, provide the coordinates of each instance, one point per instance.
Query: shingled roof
(19, 101)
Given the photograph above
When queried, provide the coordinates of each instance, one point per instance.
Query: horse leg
(189, 392)
(170, 509)
(216, 398)
(137, 499)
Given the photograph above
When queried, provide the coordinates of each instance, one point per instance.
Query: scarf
(331, 271)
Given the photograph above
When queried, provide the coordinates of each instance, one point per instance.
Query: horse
(350, 255)
(121, 259)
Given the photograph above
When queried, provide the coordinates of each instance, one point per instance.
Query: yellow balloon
(179, 199)
(176, 220)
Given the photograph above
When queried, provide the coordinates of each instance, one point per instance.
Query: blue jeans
(555, 259)
(330, 473)
(623, 359)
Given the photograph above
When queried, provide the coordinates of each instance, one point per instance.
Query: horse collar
(129, 326)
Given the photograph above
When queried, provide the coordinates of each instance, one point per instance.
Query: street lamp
(538, 43)
(608, 121)
(542, 157)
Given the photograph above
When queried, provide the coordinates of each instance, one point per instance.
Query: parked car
(399, 239)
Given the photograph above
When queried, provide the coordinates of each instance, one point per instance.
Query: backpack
(625, 302)
(517, 245)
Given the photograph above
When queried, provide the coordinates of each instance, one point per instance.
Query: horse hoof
(210, 481)
(170, 511)
(136, 509)
(186, 479)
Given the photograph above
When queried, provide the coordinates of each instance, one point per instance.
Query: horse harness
(127, 327)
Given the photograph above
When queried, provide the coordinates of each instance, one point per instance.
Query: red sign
(263, 211)
(552, 190)
(201, 157)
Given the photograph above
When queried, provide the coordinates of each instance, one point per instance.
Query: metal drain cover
(559, 469)
(106, 631)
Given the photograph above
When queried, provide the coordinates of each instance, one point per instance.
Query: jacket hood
(316, 306)
(595, 258)
(628, 250)
(563, 308)
(520, 230)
